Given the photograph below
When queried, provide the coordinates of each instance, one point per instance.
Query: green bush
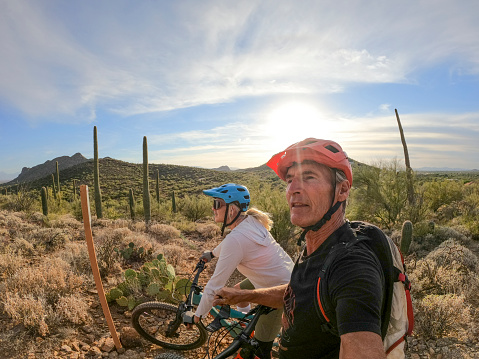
(194, 207)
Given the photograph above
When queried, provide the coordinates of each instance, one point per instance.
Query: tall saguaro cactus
(96, 175)
(44, 201)
(58, 177)
(54, 187)
(410, 185)
(146, 189)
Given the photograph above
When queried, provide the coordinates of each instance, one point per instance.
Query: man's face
(309, 192)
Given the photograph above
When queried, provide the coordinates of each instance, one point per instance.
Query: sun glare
(295, 121)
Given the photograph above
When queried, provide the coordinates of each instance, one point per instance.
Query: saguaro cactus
(44, 201)
(406, 237)
(409, 172)
(173, 202)
(132, 204)
(96, 175)
(54, 187)
(158, 186)
(146, 189)
(58, 177)
(74, 189)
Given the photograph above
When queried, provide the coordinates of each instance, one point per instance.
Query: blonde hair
(262, 217)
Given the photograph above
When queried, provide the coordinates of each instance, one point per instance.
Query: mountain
(222, 168)
(49, 167)
(443, 169)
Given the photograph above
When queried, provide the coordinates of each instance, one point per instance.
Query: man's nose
(294, 186)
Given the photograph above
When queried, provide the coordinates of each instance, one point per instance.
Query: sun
(294, 121)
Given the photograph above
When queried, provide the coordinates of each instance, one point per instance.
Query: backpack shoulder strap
(324, 308)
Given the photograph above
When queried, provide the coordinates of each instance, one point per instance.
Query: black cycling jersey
(355, 285)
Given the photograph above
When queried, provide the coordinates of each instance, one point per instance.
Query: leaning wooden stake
(85, 205)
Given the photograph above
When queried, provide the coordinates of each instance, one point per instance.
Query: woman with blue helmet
(251, 249)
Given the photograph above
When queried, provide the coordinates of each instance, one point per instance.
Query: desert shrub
(380, 194)
(73, 309)
(441, 192)
(195, 207)
(120, 223)
(437, 316)
(24, 201)
(22, 247)
(208, 230)
(164, 232)
(51, 279)
(106, 240)
(275, 203)
(450, 268)
(138, 226)
(28, 310)
(48, 239)
(174, 254)
(183, 225)
(427, 238)
(66, 221)
(76, 255)
(10, 262)
(113, 209)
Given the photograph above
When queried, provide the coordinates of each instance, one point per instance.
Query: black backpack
(397, 318)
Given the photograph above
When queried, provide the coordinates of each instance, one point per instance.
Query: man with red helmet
(319, 177)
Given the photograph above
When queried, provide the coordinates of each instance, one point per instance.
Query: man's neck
(315, 239)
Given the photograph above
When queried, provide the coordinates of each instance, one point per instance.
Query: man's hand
(207, 256)
(227, 295)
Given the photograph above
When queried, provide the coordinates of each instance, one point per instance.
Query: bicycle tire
(169, 356)
(151, 321)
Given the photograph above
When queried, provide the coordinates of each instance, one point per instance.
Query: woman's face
(219, 211)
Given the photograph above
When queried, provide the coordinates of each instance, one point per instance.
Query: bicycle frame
(194, 298)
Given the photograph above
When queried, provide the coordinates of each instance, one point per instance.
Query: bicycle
(172, 327)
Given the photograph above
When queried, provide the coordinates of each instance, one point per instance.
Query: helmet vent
(332, 149)
(240, 189)
(224, 191)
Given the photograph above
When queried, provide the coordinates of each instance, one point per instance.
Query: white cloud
(157, 56)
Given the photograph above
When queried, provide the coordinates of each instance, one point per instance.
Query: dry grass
(164, 232)
(45, 274)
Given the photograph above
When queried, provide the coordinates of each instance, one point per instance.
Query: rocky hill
(47, 168)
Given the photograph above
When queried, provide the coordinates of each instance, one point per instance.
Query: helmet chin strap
(225, 224)
(320, 223)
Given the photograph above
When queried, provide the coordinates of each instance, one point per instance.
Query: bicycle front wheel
(158, 323)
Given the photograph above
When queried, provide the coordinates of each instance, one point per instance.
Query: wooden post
(85, 205)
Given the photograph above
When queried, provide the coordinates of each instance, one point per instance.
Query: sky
(220, 82)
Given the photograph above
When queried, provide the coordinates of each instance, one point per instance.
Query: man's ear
(344, 188)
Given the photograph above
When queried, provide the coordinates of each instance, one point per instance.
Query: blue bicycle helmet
(231, 193)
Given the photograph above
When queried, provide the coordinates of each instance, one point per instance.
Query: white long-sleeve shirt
(251, 249)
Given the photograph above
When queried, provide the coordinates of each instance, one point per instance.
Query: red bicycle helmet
(326, 152)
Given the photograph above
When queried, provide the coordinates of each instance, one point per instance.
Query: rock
(108, 345)
(75, 346)
(66, 348)
(129, 337)
(94, 351)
